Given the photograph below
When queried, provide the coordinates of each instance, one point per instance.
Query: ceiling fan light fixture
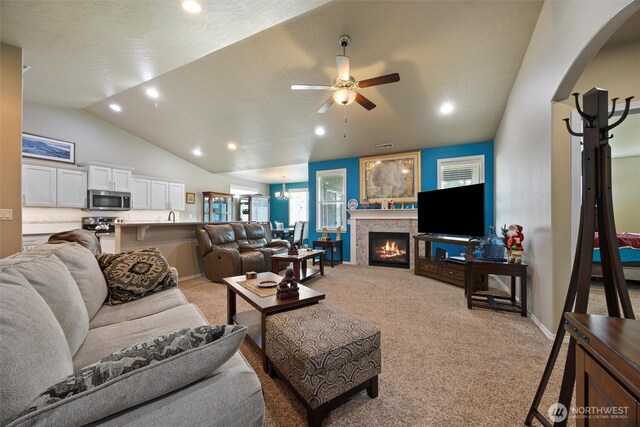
(344, 96)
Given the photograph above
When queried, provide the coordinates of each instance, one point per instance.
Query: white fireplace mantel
(380, 220)
(383, 214)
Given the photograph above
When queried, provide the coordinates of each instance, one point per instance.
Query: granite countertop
(162, 223)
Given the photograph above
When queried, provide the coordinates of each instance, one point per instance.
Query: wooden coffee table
(300, 269)
(255, 320)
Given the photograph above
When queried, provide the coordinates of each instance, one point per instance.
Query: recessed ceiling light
(153, 93)
(319, 131)
(191, 6)
(232, 146)
(446, 108)
(197, 152)
(115, 107)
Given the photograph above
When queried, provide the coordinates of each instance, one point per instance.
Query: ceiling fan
(345, 85)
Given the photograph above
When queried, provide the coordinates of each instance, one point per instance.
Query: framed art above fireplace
(392, 177)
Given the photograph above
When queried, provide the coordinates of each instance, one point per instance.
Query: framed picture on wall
(191, 198)
(393, 177)
(40, 147)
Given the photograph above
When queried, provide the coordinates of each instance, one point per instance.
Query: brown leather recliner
(233, 249)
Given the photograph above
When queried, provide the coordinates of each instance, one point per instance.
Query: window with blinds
(331, 211)
(459, 171)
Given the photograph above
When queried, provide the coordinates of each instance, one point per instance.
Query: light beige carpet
(442, 364)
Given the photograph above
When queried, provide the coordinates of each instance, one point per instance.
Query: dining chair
(298, 230)
(305, 232)
(279, 225)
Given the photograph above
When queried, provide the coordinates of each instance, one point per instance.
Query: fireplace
(389, 249)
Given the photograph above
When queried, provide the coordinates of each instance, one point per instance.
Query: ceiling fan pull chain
(345, 122)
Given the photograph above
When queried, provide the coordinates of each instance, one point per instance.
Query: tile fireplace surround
(362, 221)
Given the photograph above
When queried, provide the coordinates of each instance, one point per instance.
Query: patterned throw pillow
(132, 275)
(135, 375)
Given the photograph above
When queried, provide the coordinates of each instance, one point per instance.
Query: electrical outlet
(6, 214)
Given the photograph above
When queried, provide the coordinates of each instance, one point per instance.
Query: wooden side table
(607, 361)
(331, 245)
(497, 302)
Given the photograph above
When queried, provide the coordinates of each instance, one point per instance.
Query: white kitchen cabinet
(110, 179)
(121, 180)
(38, 186)
(141, 193)
(159, 195)
(156, 194)
(176, 196)
(99, 178)
(71, 188)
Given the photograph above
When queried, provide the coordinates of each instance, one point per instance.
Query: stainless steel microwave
(100, 200)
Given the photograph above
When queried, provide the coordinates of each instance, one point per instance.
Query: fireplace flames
(389, 250)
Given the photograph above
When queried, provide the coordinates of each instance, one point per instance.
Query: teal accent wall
(279, 209)
(429, 162)
(429, 181)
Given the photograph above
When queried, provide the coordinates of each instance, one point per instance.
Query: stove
(99, 224)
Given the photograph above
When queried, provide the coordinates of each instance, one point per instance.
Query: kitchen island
(176, 241)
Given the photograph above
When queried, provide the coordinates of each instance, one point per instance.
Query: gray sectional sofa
(53, 322)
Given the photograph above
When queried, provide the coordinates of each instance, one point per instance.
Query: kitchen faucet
(172, 214)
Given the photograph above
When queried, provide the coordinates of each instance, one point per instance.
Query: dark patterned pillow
(132, 275)
(135, 375)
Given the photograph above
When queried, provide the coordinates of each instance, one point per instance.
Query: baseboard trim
(540, 326)
(533, 318)
(503, 285)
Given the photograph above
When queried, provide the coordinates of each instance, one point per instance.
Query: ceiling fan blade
(326, 105)
(342, 63)
(311, 87)
(364, 102)
(380, 80)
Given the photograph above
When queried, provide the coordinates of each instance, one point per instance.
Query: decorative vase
(492, 247)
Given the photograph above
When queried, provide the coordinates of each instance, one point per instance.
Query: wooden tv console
(446, 270)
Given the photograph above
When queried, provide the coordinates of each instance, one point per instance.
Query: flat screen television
(457, 211)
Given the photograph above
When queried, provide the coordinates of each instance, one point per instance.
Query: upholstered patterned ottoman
(324, 354)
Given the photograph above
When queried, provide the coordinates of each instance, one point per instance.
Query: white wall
(615, 68)
(625, 176)
(97, 140)
(565, 34)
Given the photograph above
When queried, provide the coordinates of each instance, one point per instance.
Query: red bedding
(624, 239)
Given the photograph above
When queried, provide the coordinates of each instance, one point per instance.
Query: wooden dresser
(607, 369)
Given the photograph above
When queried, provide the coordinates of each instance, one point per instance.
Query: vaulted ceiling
(224, 75)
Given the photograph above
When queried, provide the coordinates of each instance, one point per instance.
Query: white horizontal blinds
(460, 171)
(331, 212)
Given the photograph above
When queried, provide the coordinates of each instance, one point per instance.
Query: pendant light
(284, 194)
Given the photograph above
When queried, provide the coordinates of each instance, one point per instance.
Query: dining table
(284, 233)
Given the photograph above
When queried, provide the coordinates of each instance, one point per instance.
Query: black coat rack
(596, 211)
